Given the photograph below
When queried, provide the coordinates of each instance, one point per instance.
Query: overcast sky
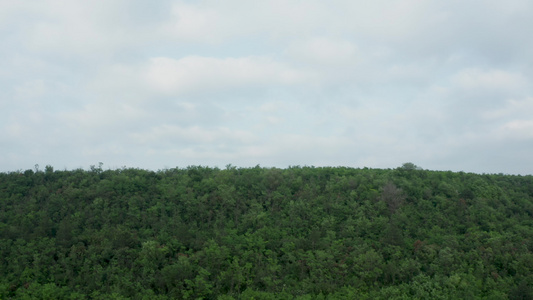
(447, 85)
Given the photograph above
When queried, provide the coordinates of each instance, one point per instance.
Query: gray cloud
(447, 85)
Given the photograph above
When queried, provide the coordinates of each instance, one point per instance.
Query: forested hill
(265, 233)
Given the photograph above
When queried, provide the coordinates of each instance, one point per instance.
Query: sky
(446, 85)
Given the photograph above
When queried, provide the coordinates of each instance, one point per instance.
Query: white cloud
(96, 115)
(181, 136)
(31, 89)
(273, 107)
(294, 149)
(475, 78)
(198, 23)
(323, 51)
(87, 32)
(214, 22)
(195, 73)
(519, 128)
(513, 108)
(68, 27)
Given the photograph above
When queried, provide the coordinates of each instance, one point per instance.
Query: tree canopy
(265, 233)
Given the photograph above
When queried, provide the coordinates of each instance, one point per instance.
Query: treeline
(265, 233)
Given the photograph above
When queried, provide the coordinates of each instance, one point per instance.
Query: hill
(265, 233)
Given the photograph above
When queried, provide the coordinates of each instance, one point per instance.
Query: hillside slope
(265, 233)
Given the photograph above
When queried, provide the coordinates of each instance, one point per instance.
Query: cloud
(31, 89)
(323, 51)
(513, 120)
(519, 128)
(492, 80)
(214, 22)
(85, 32)
(194, 23)
(512, 108)
(196, 73)
(446, 85)
(196, 135)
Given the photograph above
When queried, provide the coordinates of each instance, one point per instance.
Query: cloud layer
(447, 86)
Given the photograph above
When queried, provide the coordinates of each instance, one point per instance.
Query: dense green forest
(265, 233)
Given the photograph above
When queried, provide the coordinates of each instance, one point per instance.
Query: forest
(265, 233)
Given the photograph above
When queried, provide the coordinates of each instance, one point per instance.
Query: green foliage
(265, 233)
